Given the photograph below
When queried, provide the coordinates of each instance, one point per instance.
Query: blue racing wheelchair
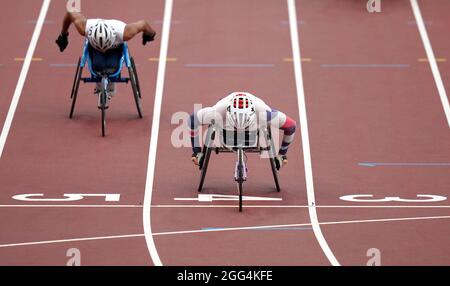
(105, 69)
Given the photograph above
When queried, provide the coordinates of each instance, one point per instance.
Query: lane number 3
(370, 199)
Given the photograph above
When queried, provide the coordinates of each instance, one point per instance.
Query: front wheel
(103, 111)
(240, 186)
(240, 176)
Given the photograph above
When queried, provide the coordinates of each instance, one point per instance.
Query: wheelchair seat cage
(106, 68)
(239, 143)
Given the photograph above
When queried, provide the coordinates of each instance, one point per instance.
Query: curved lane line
(146, 213)
(304, 133)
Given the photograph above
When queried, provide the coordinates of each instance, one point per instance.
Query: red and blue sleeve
(283, 122)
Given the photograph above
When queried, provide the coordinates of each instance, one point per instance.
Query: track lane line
(431, 59)
(218, 230)
(221, 206)
(23, 75)
(304, 133)
(154, 135)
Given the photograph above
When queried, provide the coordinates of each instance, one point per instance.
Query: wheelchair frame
(241, 169)
(116, 77)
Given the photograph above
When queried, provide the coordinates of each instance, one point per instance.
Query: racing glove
(62, 41)
(280, 161)
(196, 158)
(148, 37)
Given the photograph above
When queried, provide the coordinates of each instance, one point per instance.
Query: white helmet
(240, 113)
(102, 36)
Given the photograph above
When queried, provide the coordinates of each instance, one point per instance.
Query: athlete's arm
(78, 20)
(132, 29)
(203, 116)
(283, 122)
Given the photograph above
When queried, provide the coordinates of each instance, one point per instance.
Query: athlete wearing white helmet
(242, 111)
(103, 34)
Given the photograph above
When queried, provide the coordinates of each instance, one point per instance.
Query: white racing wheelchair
(239, 143)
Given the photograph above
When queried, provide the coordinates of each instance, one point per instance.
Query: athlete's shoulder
(115, 21)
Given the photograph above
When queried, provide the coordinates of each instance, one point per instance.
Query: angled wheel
(273, 163)
(135, 87)
(204, 169)
(133, 65)
(75, 86)
(204, 161)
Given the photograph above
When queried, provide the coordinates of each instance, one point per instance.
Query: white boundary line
(23, 75)
(304, 133)
(298, 225)
(225, 206)
(218, 230)
(431, 59)
(71, 206)
(70, 240)
(146, 214)
(295, 206)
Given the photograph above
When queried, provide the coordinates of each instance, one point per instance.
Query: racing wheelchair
(106, 68)
(240, 144)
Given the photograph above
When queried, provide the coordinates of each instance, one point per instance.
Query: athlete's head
(241, 113)
(102, 36)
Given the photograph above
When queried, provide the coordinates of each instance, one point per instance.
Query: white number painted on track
(67, 197)
(370, 199)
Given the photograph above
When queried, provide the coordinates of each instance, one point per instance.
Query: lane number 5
(66, 197)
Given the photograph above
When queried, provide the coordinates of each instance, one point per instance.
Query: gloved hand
(62, 41)
(281, 161)
(148, 38)
(196, 158)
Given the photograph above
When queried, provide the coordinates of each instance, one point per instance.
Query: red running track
(383, 108)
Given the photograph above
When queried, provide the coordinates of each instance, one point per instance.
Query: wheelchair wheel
(273, 164)
(103, 110)
(204, 168)
(75, 86)
(240, 176)
(204, 162)
(240, 184)
(135, 87)
(133, 65)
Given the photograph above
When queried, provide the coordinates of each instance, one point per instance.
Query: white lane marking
(220, 206)
(368, 198)
(70, 206)
(70, 240)
(146, 214)
(296, 206)
(23, 75)
(220, 230)
(213, 197)
(431, 59)
(304, 133)
(66, 197)
(296, 225)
